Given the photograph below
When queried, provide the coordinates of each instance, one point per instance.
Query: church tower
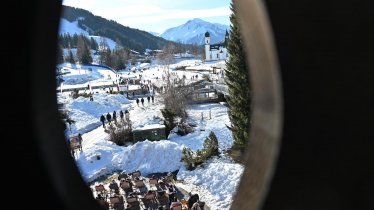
(207, 46)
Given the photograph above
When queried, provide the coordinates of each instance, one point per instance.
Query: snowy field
(215, 181)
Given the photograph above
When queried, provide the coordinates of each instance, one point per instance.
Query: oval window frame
(267, 111)
(267, 117)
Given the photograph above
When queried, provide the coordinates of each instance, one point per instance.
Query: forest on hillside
(135, 39)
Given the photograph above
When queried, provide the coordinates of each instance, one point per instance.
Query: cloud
(132, 15)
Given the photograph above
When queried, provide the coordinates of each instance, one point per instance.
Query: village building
(217, 51)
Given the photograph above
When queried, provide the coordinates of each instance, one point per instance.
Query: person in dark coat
(142, 100)
(133, 94)
(114, 116)
(102, 119)
(108, 117)
(148, 98)
(80, 139)
(153, 99)
(171, 194)
(137, 101)
(196, 206)
(127, 114)
(121, 114)
(71, 148)
(114, 186)
(193, 198)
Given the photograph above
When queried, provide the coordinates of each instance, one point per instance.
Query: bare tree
(196, 50)
(167, 56)
(179, 47)
(177, 95)
(104, 52)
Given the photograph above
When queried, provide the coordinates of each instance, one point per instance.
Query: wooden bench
(139, 183)
(101, 189)
(103, 203)
(153, 181)
(135, 174)
(132, 201)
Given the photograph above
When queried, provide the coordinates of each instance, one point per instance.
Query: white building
(218, 51)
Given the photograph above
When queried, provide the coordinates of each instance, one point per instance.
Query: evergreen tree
(238, 85)
(169, 121)
(60, 54)
(188, 157)
(83, 51)
(94, 45)
(106, 57)
(210, 149)
(119, 59)
(74, 41)
(70, 57)
(211, 145)
(118, 56)
(61, 40)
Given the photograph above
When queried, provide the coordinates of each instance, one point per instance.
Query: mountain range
(80, 21)
(193, 31)
(91, 25)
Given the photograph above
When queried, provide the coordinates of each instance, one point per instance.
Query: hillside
(91, 24)
(67, 27)
(192, 32)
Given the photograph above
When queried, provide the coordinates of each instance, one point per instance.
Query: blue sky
(156, 15)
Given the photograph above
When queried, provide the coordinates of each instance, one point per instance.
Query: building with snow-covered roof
(217, 51)
(153, 132)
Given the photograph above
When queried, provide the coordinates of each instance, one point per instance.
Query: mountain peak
(192, 32)
(196, 20)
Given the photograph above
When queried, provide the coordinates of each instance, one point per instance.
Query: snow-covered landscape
(215, 181)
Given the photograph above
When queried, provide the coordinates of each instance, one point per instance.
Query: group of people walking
(148, 99)
(109, 118)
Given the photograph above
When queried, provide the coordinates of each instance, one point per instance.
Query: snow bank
(146, 156)
(216, 182)
(217, 122)
(87, 113)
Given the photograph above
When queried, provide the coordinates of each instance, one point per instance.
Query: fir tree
(211, 145)
(60, 54)
(83, 51)
(188, 158)
(94, 45)
(118, 56)
(105, 53)
(70, 57)
(74, 40)
(238, 85)
(169, 121)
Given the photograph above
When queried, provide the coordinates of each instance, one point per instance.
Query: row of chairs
(129, 182)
